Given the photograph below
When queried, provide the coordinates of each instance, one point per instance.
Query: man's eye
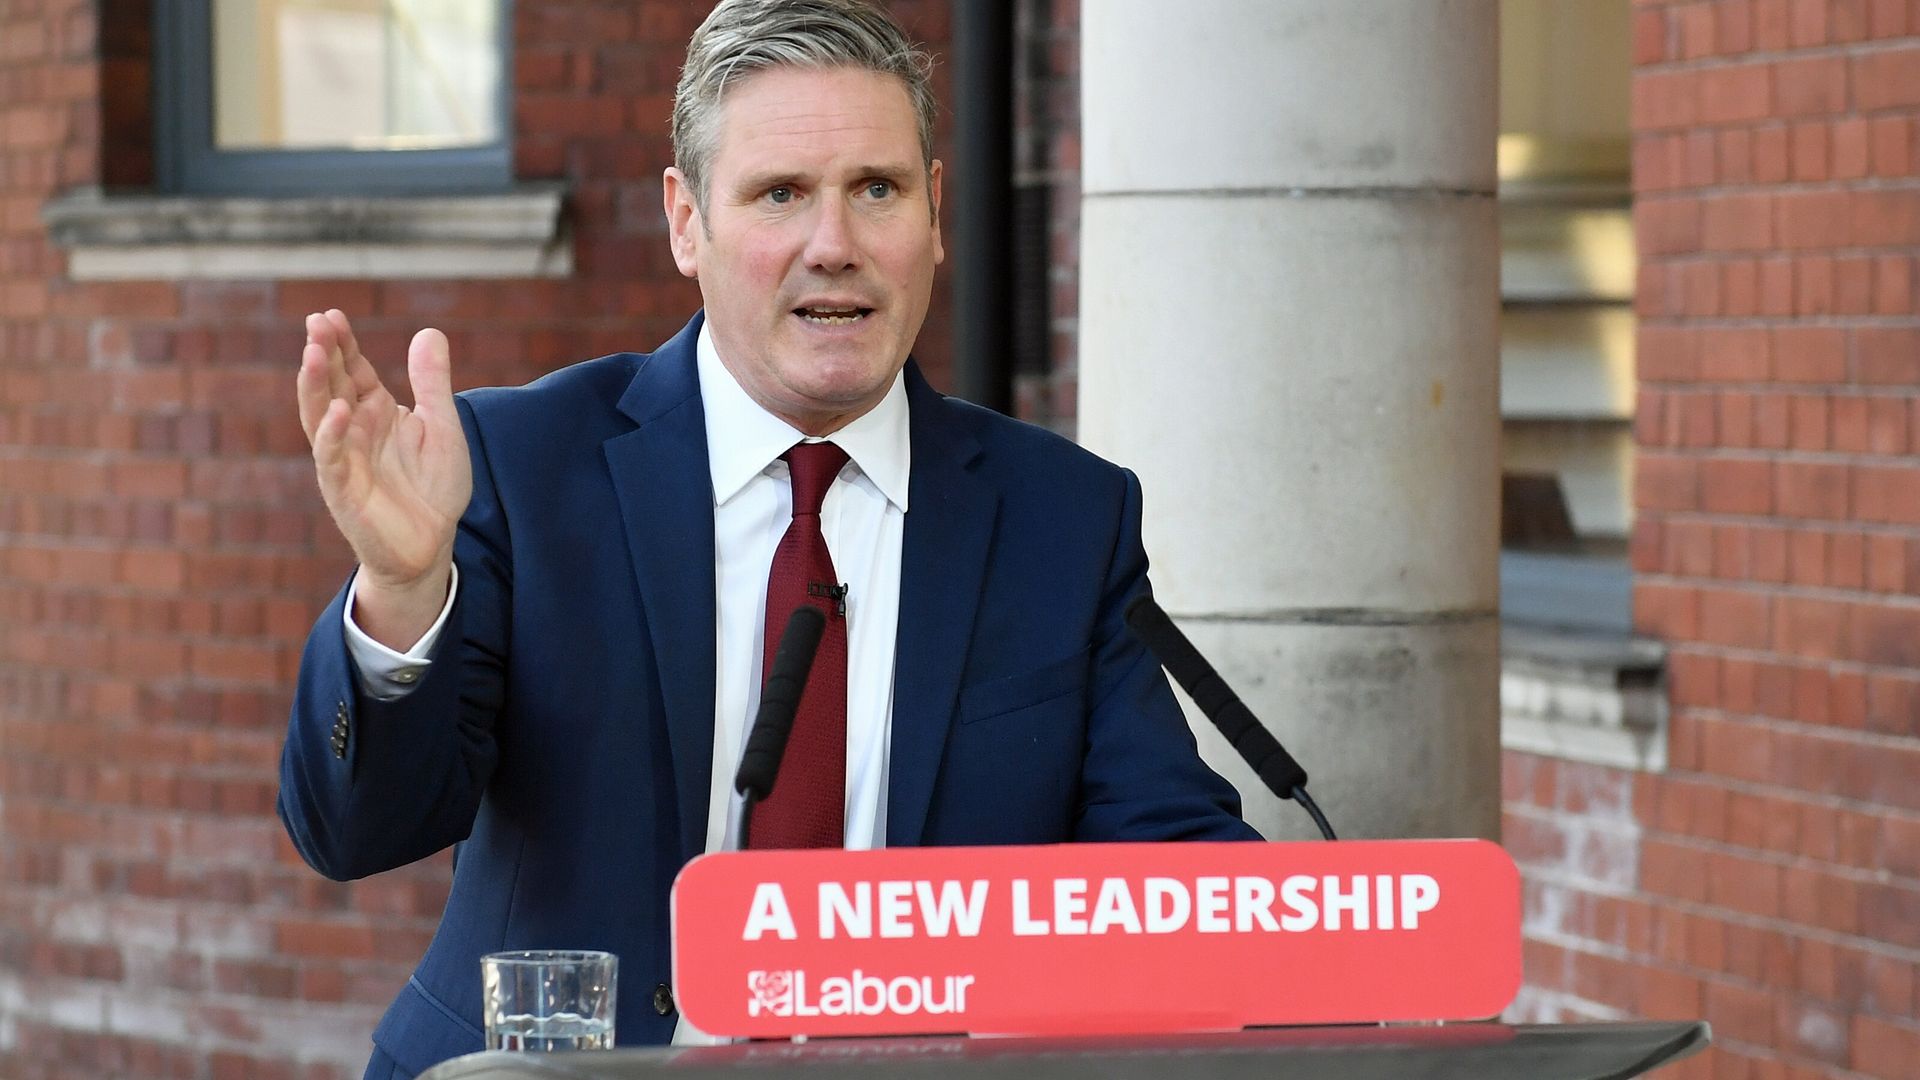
(780, 195)
(879, 189)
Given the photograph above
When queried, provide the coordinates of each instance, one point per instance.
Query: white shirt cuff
(384, 674)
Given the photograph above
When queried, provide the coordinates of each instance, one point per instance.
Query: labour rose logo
(772, 993)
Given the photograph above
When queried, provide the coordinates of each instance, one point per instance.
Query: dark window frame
(186, 161)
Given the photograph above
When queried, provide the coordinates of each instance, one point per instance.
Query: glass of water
(545, 1000)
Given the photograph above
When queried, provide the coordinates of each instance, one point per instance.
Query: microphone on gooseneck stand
(779, 699)
(1257, 746)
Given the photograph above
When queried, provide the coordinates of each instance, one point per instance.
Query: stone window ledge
(1586, 697)
(114, 237)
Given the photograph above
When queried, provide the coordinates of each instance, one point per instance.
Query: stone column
(1288, 326)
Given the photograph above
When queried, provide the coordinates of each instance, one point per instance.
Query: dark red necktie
(807, 808)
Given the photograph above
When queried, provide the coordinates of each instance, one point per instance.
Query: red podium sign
(1094, 938)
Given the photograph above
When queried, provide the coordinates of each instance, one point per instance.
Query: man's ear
(684, 228)
(933, 196)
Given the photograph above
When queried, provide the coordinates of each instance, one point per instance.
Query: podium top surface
(1362, 1052)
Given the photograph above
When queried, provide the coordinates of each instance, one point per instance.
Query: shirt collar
(743, 438)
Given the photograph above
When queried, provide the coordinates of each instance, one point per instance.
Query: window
(284, 97)
(1567, 324)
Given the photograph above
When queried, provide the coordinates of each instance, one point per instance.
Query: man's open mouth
(821, 315)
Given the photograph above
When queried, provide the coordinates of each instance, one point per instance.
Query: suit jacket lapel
(661, 478)
(943, 557)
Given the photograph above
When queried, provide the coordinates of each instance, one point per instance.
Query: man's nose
(830, 247)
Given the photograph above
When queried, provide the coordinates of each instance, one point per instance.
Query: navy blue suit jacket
(563, 735)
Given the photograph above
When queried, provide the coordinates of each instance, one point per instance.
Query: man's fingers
(430, 370)
(310, 387)
(358, 368)
(330, 447)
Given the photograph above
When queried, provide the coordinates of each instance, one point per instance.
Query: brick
(569, 115)
(1887, 355)
(1730, 552)
(1887, 425)
(1734, 419)
(1666, 482)
(1693, 679)
(1733, 27)
(1735, 94)
(1737, 222)
(1852, 149)
(1810, 490)
(1694, 416)
(1664, 100)
(1882, 1049)
(1811, 628)
(1740, 288)
(1669, 225)
(1853, 285)
(1887, 18)
(1850, 424)
(1811, 219)
(1807, 23)
(1696, 31)
(1893, 285)
(1807, 558)
(1649, 36)
(1886, 562)
(1849, 20)
(1885, 79)
(1690, 548)
(1771, 158)
(1733, 151)
(1736, 486)
(1809, 420)
(1771, 24)
(1734, 354)
(1666, 353)
(1888, 985)
(1740, 1013)
(1847, 561)
(1809, 354)
(1891, 139)
(1893, 703)
(1737, 619)
(1887, 636)
(1813, 286)
(1890, 912)
(1884, 217)
(1810, 86)
(1776, 286)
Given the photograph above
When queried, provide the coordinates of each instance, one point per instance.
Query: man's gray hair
(741, 37)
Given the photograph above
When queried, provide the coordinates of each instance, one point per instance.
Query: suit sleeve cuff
(386, 675)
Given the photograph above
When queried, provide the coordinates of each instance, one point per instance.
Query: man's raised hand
(395, 479)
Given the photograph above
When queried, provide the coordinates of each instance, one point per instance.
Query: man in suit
(568, 592)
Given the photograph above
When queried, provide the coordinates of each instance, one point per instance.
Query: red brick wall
(163, 552)
(1770, 880)
(1047, 151)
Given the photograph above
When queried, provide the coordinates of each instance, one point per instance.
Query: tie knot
(813, 466)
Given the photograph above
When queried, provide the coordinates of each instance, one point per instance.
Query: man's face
(816, 256)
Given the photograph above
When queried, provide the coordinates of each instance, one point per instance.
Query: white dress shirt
(863, 519)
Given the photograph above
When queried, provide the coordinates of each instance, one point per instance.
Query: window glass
(1567, 275)
(355, 74)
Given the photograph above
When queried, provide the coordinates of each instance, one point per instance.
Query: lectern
(1358, 960)
(1444, 1052)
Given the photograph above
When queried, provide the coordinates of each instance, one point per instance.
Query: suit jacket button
(663, 999)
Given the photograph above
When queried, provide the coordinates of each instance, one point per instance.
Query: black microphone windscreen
(779, 700)
(1216, 700)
